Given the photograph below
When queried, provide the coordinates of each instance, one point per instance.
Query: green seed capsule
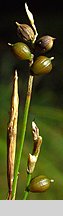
(39, 184)
(22, 51)
(45, 43)
(42, 65)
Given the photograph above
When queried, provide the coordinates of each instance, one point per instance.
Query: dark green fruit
(42, 65)
(25, 32)
(45, 43)
(21, 50)
(39, 184)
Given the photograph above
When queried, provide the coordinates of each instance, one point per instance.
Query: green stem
(28, 182)
(26, 110)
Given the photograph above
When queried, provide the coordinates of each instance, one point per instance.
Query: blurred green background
(46, 106)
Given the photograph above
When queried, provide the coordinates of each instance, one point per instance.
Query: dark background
(48, 19)
(47, 101)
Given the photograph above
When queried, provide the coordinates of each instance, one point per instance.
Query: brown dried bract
(32, 158)
(12, 134)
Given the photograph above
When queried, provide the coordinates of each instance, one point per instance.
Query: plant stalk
(26, 111)
(28, 182)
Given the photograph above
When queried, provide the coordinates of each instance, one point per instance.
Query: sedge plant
(38, 65)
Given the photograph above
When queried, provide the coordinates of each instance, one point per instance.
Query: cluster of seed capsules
(38, 65)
